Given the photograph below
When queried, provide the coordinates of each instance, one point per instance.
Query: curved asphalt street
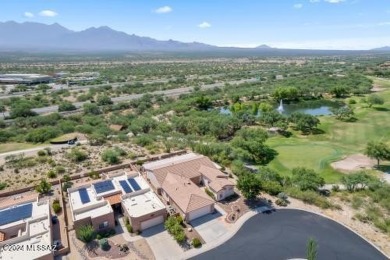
(283, 235)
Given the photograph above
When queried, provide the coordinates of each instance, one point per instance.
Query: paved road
(34, 151)
(283, 235)
(169, 92)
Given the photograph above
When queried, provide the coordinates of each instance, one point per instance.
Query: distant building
(83, 77)
(26, 225)
(28, 79)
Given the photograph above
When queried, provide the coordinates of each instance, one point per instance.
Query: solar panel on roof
(126, 187)
(84, 196)
(104, 186)
(134, 184)
(15, 213)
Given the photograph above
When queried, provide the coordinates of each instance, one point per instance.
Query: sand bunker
(353, 162)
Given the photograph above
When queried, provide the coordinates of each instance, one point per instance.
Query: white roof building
(26, 226)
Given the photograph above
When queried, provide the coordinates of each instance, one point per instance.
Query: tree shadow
(383, 168)
(381, 109)
(92, 246)
(317, 131)
(350, 120)
(256, 202)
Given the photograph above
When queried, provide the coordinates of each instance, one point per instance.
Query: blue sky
(315, 24)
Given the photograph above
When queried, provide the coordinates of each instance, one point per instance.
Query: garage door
(152, 222)
(198, 213)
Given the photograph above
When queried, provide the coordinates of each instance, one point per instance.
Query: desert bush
(196, 242)
(86, 233)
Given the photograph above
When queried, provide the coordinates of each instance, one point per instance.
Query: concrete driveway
(162, 243)
(211, 227)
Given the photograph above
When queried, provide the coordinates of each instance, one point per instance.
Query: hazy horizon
(305, 24)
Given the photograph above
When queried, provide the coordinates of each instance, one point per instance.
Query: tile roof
(185, 193)
(218, 180)
(114, 199)
(186, 165)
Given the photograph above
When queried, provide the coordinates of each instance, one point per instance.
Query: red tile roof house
(178, 180)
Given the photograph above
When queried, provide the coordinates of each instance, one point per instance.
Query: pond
(314, 108)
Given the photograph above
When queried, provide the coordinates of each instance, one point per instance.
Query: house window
(103, 225)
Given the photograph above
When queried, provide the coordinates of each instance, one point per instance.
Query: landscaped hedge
(172, 224)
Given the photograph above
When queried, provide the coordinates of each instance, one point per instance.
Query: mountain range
(37, 36)
(31, 36)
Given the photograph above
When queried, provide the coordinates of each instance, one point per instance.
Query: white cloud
(314, 1)
(384, 24)
(28, 14)
(163, 10)
(204, 25)
(334, 1)
(48, 13)
(298, 6)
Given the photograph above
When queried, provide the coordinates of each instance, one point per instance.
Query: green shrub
(56, 206)
(41, 153)
(111, 156)
(129, 228)
(196, 242)
(180, 237)
(310, 197)
(272, 187)
(3, 185)
(357, 202)
(335, 188)
(281, 203)
(172, 224)
(104, 245)
(98, 236)
(140, 162)
(180, 219)
(86, 233)
(363, 218)
(60, 169)
(76, 155)
(51, 174)
(210, 193)
(352, 101)
(94, 175)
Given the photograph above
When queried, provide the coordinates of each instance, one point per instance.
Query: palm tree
(311, 253)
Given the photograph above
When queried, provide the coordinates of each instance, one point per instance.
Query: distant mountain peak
(56, 37)
(384, 48)
(263, 46)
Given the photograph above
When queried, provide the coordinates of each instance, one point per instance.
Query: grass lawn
(298, 152)
(340, 139)
(10, 147)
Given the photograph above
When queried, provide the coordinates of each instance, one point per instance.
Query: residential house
(25, 225)
(179, 179)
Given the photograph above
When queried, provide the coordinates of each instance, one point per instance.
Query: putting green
(301, 153)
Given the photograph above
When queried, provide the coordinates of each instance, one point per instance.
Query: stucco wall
(136, 222)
